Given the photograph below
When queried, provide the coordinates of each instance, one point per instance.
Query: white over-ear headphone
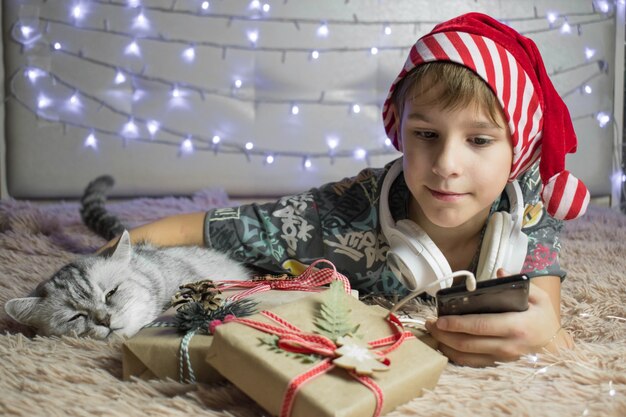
(417, 262)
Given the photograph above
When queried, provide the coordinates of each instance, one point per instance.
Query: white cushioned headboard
(46, 142)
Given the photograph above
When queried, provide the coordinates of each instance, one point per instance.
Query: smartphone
(498, 295)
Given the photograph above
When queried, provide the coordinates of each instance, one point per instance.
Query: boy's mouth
(448, 196)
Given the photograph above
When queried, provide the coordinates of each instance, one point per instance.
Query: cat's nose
(103, 320)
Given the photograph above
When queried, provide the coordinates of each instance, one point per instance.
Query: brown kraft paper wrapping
(153, 353)
(264, 374)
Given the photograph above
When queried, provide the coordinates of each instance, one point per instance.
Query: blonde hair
(459, 86)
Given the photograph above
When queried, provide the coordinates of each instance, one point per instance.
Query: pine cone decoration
(203, 292)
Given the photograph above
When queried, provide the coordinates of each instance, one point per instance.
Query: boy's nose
(447, 160)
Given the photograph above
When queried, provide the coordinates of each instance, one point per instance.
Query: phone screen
(499, 295)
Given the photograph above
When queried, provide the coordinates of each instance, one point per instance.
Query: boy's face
(456, 162)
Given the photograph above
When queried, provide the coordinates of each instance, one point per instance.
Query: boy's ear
(21, 309)
(123, 249)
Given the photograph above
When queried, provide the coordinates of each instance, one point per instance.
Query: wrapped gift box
(264, 373)
(155, 352)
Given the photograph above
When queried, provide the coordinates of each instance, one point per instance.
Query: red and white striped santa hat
(540, 124)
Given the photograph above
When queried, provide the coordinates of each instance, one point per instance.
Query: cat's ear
(123, 250)
(22, 309)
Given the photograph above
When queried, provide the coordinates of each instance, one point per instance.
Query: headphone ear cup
(502, 251)
(492, 239)
(432, 264)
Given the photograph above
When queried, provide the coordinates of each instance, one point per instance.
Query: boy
(471, 111)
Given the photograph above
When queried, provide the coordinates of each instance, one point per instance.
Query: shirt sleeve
(542, 256)
(268, 236)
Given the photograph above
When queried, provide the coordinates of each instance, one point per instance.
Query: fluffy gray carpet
(82, 377)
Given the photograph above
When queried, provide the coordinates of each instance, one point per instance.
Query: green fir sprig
(333, 317)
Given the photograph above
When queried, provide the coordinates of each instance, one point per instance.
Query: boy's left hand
(483, 339)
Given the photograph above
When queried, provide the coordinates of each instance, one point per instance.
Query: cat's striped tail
(93, 210)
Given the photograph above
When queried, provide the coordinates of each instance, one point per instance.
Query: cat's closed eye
(77, 316)
(110, 294)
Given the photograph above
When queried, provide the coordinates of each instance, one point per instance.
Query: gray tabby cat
(120, 292)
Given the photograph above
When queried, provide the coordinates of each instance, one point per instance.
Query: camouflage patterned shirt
(339, 222)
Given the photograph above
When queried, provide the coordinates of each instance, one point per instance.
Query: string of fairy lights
(35, 29)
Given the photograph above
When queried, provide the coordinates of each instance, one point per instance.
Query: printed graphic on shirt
(261, 236)
(358, 245)
(225, 214)
(295, 226)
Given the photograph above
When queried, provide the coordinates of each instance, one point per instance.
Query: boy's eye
(481, 141)
(424, 134)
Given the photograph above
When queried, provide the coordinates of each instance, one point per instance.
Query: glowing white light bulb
(130, 129)
(332, 143)
(153, 127)
(189, 54)
(269, 159)
(134, 3)
(26, 31)
(74, 101)
(322, 30)
(249, 145)
(141, 21)
(91, 141)
(120, 77)
(551, 16)
(295, 109)
(132, 49)
(56, 46)
(356, 108)
(374, 50)
(187, 146)
(566, 28)
(78, 12)
(176, 93)
(34, 73)
(266, 8)
(216, 139)
(307, 163)
(315, 54)
(204, 5)
(255, 5)
(238, 83)
(253, 36)
(589, 53)
(388, 142)
(387, 30)
(360, 153)
(43, 101)
(587, 89)
(603, 119)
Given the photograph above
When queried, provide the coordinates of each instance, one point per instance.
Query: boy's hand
(483, 339)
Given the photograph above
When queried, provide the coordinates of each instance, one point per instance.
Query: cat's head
(93, 296)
